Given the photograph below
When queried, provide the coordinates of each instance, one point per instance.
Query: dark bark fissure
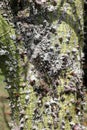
(85, 44)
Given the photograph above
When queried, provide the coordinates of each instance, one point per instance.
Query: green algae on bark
(58, 104)
(9, 62)
(49, 92)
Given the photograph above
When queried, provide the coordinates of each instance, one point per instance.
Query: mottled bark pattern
(48, 93)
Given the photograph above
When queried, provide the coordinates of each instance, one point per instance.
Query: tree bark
(47, 89)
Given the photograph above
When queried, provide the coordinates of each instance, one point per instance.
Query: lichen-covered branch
(46, 89)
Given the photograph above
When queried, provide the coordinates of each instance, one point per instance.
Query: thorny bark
(46, 89)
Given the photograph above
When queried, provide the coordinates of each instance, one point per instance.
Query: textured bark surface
(42, 64)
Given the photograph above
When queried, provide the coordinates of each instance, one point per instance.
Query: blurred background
(4, 105)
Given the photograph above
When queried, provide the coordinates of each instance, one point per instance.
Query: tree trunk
(46, 90)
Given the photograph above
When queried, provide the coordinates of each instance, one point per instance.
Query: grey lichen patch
(49, 86)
